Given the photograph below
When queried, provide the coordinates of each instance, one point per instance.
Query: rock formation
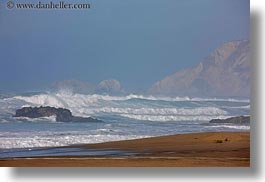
(62, 115)
(234, 120)
(109, 87)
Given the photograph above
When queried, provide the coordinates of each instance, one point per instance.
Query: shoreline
(217, 149)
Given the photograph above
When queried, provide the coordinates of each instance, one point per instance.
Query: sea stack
(62, 114)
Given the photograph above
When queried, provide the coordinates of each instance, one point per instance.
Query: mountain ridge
(224, 72)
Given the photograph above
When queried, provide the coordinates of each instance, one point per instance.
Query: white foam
(94, 105)
(55, 140)
(233, 127)
(64, 99)
(237, 107)
(172, 117)
(86, 105)
(43, 99)
(164, 111)
(40, 119)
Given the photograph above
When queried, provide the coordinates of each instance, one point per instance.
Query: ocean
(124, 117)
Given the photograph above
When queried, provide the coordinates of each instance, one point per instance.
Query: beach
(207, 149)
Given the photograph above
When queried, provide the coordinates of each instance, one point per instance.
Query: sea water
(124, 117)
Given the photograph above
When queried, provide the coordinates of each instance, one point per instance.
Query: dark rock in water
(234, 120)
(62, 115)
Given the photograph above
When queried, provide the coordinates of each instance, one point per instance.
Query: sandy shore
(185, 150)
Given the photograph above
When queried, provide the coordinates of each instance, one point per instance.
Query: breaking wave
(232, 127)
(126, 117)
(137, 107)
(40, 119)
(173, 118)
(164, 111)
(55, 139)
(62, 99)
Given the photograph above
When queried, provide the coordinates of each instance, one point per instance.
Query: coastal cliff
(225, 72)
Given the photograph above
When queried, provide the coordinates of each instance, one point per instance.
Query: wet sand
(217, 149)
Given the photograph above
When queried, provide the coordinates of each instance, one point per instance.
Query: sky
(137, 42)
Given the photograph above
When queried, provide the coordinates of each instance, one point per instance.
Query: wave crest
(164, 111)
(172, 118)
(131, 106)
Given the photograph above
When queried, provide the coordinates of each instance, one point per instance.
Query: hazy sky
(135, 41)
